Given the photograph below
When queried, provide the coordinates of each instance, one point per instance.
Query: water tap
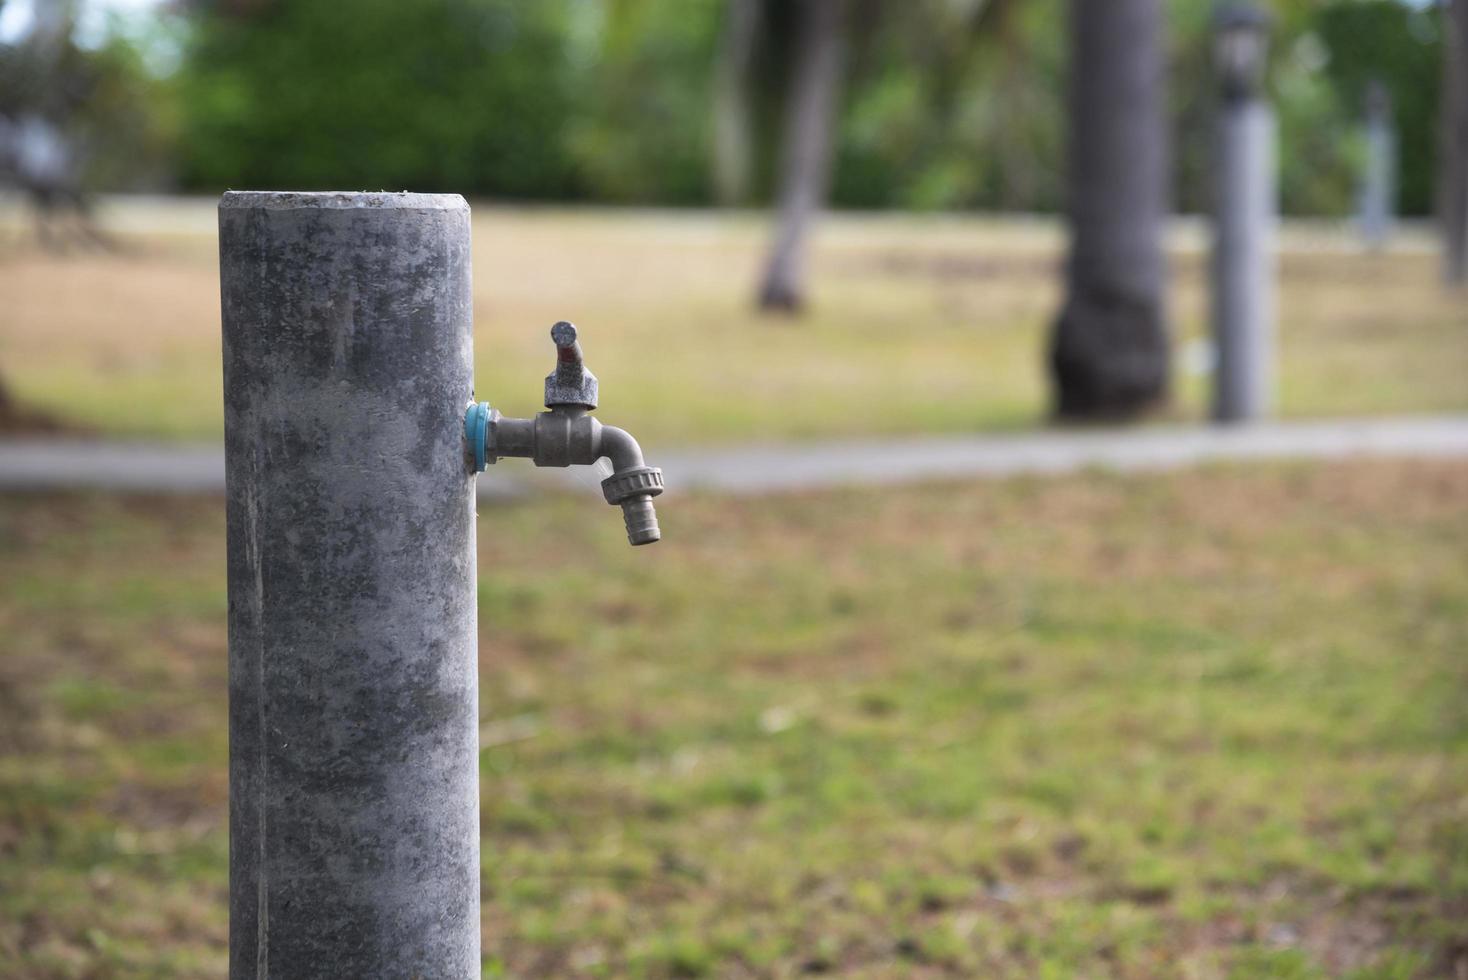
(566, 435)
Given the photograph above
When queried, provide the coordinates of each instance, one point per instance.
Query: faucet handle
(570, 384)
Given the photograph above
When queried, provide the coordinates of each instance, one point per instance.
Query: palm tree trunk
(1109, 350)
(732, 140)
(1453, 155)
(805, 172)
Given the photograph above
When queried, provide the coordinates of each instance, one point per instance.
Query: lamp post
(1378, 190)
(1240, 49)
(1244, 219)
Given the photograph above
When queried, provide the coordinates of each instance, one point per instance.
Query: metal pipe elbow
(618, 446)
(632, 484)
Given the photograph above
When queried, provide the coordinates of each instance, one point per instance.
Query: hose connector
(634, 489)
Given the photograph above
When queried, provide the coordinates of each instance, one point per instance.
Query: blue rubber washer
(476, 428)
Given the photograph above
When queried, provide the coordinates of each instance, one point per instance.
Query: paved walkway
(136, 467)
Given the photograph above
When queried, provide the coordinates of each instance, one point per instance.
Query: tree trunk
(1453, 156)
(806, 165)
(12, 419)
(1109, 350)
(732, 142)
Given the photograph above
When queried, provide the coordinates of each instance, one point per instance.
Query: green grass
(915, 325)
(1209, 724)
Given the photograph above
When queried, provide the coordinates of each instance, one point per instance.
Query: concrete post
(1378, 189)
(354, 802)
(1243, 256)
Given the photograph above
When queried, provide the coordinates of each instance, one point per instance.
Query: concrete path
(136, 467)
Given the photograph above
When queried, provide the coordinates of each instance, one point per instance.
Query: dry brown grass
(917, 325)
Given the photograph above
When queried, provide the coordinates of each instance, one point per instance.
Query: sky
(15, 15)
(161, 49)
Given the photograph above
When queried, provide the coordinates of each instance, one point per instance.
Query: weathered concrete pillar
(1245, 215)
(354, 804)
(1379, 184)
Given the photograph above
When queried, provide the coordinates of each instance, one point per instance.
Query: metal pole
(354, 798)
(1378, 190)
(1243, 256)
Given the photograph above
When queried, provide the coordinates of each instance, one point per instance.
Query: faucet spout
(632, 484)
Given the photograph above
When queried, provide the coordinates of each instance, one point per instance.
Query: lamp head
(1240, 48)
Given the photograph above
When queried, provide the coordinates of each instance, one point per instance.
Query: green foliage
(1402, 48)
(436, 95)
(955, 105)
(127, 123)
(641, 132)
(1320, 148)
(945, 105)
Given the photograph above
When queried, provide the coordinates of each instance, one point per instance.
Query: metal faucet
(567, 435)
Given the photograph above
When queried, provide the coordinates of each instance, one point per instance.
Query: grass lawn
(917, 325)
(1206, 724)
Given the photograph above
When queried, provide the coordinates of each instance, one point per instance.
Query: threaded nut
(644, 480)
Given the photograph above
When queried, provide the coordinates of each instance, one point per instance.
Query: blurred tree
(46, 82)
(1109, 349)
(954, 104)
(1453, 186)
(733, 122)
(917, 64)
(436, 94)
(946, 104)
(815, 93)
(639, 129)
(1400, 47)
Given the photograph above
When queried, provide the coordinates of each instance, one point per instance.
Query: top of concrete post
(341, 200)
